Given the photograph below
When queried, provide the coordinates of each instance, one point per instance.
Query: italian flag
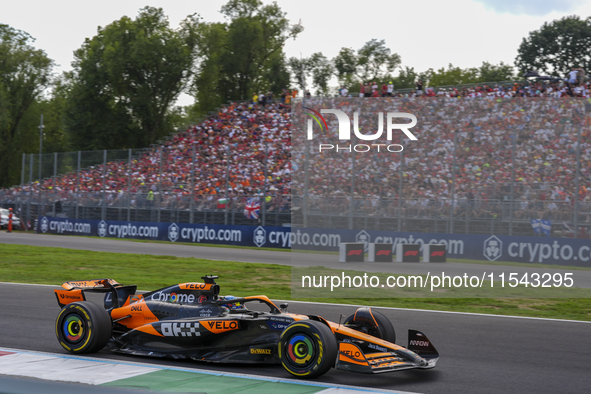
(222, 203)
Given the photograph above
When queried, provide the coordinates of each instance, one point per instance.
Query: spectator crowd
(245, 150)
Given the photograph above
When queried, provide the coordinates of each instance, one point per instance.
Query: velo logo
(345, 130)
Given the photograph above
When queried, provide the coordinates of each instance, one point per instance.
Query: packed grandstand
(242, 143)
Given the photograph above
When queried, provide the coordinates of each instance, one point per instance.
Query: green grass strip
(171, 381)
(45, 265)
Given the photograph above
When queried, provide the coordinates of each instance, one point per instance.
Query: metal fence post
(53, 182)
(104, 204)
(192, 195)
(40, 146)
(576, 221)
(352, 203)
(306, 183)
(23, 170)
(78, 182)
(512, 198)
(39, 189)
(227, 183)
(129, 186)
(264, 204)
(160, 184)
(54, 167)
(30, 188)
(453, 185)
(400, 174)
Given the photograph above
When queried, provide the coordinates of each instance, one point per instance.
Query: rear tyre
(373, 323)
(83, 327)
(307, 349)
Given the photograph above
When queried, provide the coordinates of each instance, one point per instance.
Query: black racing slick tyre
(373, 323)
(83, 327)
(307, 349)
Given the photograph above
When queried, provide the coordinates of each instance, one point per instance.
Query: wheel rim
(301, 350)
(73, 328)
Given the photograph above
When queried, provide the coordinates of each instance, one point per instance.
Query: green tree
(301, 69)
(457, 76)
(345, 64)
(372, 62)
(207, 89)
(277, 73)
(495, 73)
(322, 71)
(556, 47)
(406, 79)
(25, 72)
(244, 55)
(318, 67)
(53, 109)
(126, 80)
(453, 76)
(254, 46)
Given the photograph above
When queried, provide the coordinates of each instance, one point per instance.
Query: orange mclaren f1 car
(191, 320)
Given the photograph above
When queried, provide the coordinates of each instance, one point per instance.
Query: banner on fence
(546, 250)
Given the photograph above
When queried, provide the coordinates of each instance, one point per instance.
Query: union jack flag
(252, 208)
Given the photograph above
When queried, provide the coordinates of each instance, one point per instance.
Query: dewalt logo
(260, 351)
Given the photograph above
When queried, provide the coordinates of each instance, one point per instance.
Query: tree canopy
(373, 61)
(25, 72)
(456, 76)
(556, 47)
(243, 55)
(127, 78)
(318, 67)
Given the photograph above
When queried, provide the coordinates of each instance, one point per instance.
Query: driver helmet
(235, 305)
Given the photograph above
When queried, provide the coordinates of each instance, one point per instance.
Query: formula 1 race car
(191, 320)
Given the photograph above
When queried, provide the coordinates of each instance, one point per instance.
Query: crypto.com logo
(493, 248)
(345, 130)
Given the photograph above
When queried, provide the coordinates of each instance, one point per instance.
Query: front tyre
(373, 323)
(83, 327)
(307, 349)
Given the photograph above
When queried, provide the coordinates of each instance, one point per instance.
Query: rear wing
(74, 291)
(94, 284)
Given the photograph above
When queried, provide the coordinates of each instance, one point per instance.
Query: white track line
(381, 307)
(449, 312)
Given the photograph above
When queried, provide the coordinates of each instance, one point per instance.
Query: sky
(425, 33)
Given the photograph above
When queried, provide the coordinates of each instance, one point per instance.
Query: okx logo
(345, 130)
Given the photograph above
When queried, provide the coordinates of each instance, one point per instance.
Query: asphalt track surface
(479, 353)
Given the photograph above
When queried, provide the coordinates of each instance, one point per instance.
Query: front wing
(352, 358)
